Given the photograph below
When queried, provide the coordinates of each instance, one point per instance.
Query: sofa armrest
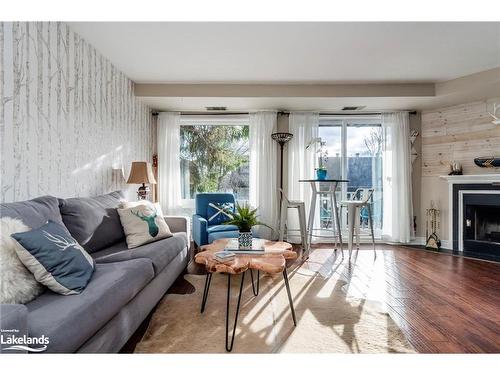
(200, 224)
(13, 323)
(178, 224)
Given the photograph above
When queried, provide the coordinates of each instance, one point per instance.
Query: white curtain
(169, 175)
(301, 162)
(398, 205)
(263, 171)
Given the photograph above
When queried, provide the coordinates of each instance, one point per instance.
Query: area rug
(328, 320)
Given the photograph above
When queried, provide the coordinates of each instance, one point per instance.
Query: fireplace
(480, 227)
(474, 215)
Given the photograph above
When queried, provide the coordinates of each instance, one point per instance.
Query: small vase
(245, 240)
(321, 174)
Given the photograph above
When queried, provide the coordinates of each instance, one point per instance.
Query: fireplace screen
(481, 222)
(487, 223)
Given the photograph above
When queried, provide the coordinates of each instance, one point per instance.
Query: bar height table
(332, 188)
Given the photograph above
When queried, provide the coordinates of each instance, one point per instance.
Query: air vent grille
(215, 108)
(353, 108)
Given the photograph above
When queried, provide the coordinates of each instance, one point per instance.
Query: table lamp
(141, 173)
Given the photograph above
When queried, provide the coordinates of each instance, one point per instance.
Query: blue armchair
(206, 231)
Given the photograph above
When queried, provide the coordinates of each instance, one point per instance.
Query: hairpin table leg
(287, 285)
(208, 280)
(229, 346)
(255, 290)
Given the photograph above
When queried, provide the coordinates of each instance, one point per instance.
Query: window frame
(212, 120)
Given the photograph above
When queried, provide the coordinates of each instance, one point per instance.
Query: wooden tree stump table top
(272, 261)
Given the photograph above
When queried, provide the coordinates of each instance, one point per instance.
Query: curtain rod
(208, 113)
(288, 112)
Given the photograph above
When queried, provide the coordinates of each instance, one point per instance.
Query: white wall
(69, 120)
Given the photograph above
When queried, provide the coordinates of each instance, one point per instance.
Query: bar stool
(360, 199)
(301, 210)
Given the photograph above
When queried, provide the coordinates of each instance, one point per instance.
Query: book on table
(224, 255)
(256, 248)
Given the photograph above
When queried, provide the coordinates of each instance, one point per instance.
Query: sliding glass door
(354, 146)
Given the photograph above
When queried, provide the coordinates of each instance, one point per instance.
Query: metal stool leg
(208, 280)
(356, 225)
(337, 220)
(229, 346)
(287, 285)
(370, 218)
(334, 222)
(283, 215)
(303, 231)
(255, 290)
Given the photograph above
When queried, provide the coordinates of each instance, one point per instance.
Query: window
(354, 148)
(214, 156)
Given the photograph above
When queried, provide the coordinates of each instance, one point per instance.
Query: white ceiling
(295, 52)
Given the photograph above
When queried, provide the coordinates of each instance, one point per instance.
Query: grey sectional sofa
(124, 288)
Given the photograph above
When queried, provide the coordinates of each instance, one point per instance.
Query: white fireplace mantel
(465, 179)
(472, 178)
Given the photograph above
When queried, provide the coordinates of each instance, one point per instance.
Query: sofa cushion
(159, 252)
(69, 321)
(35, 212)
(94, 221)
(221, 228)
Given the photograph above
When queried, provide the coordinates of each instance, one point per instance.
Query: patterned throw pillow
(142, 223)
(219, 213)
(55, 258)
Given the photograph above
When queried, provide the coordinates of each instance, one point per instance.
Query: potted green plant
(244, 218)
(321, 171)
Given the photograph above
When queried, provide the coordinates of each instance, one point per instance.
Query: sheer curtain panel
(398, 205)
(264, 171)
(169, 180)
(301, 163)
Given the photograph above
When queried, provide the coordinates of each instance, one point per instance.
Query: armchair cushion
(218, 235)
(219, 213)
(203, 199)
(221, 228)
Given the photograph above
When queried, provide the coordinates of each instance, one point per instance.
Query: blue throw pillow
(219, 213)
(55, 258)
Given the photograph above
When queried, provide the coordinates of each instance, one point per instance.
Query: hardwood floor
(442, 303)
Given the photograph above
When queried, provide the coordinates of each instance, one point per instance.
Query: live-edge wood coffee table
(272, 261)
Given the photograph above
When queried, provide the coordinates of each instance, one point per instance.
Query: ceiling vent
(353, 108)
(216, 108)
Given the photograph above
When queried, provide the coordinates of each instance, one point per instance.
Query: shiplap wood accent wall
(458, 133)
(69, 120)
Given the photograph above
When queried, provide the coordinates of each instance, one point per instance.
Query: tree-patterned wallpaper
(69, 121)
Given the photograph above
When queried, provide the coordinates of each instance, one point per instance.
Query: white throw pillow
(126, 204)
(142, 223)
(17, 283)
